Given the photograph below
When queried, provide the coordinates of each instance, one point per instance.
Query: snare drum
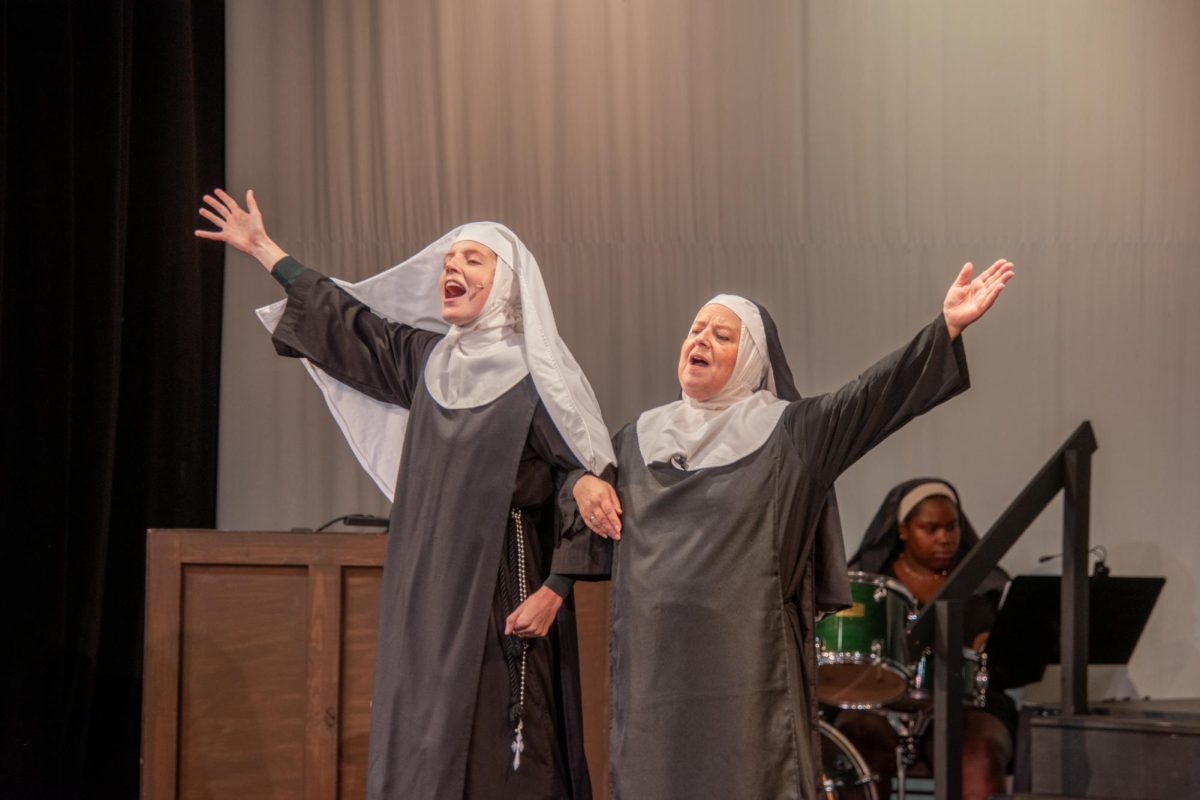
(920, 692)
(862, 651)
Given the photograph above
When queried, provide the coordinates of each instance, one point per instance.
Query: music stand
(1026, 635)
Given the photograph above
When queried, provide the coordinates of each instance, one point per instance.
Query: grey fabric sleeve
(581, 553)
(578, 554)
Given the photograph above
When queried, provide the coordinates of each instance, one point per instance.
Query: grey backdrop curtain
(837, 161)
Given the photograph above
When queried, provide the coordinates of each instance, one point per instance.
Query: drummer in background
(918, 536)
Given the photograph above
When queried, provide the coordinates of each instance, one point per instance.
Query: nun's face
(466, 280)
(931, 534)
(709, 352)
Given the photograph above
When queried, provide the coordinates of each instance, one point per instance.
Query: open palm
(969, 299)
(238, 227)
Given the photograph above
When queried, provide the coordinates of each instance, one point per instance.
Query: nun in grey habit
(724, 560)
(470, 426)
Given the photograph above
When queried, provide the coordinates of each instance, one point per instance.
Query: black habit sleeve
(834, 430)
(579, 554)
(571, 521)
(341, 335)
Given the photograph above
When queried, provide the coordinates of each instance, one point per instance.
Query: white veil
(407, 293)
(692, 434)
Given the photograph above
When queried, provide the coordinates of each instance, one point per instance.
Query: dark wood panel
(160, 671)
(243, 682)
(591, 610)
(324, 674)
(260, 657)
(360, 619)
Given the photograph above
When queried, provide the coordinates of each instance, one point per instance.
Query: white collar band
(692, 434)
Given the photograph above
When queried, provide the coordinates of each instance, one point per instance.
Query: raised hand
(968, 299)
(599, 506)
(240, 228)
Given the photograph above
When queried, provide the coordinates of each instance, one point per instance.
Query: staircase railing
(1069, 470)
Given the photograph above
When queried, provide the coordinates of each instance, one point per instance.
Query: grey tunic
(713, 604)
(440, 705)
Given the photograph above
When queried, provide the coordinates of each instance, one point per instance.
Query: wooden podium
(259, 657)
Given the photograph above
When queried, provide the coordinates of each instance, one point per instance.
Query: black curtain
(111, 127)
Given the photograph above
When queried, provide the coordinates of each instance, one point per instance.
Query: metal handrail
(1069, 470)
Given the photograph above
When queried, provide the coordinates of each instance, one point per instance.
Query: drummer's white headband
(923, 492)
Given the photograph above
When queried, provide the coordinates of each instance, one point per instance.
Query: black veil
(832, 588)
(881, 541)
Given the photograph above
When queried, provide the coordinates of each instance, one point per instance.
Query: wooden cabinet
(259, 656)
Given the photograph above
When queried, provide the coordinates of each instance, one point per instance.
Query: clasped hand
(599, 506)
(534, 617)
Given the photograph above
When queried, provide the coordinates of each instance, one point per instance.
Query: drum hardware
(920, 687)
(910, 728)
(844, 772)
(862, 656)
(981, 682)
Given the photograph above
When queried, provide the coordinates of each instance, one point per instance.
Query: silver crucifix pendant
(518, 745)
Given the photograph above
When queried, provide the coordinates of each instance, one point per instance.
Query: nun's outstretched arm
(834, 430)
(345, 338)
(322, 323)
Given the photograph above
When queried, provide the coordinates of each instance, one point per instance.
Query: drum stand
(911, 726)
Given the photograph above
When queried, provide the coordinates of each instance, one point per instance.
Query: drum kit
(864, 662)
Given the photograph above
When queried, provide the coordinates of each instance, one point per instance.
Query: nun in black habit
(919, 536)
(723, 561)
(449, 380)
(885, 550)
